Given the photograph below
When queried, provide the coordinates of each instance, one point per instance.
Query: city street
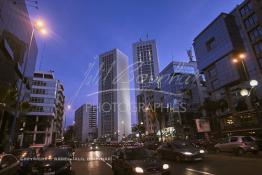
(212, 165)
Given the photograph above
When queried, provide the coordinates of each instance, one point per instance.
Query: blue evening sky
(79, 30)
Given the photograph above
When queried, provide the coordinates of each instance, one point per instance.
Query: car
(93, 147)
(39, 149)
(53, 161)
(151, 145)
(26, 156)
(237, 144)
(9, 164)
(137, 160)
(70, 150)
(180, 150)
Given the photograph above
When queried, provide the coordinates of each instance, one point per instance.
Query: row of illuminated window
(250, 21)
(43, 109)
(44, 83)
(42, 100)
(43, 91)
(246, 9)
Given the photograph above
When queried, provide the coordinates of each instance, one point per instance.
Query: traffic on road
(132, 158)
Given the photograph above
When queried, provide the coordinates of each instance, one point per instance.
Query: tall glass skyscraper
(146, 69)
(114, 115)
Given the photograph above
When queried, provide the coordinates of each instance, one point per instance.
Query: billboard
(202, 125)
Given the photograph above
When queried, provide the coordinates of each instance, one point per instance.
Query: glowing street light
(242, 56)
(141, 123)
(244, 92)
(253, 83)
(68, 107)
(39, 23)
(235, 60)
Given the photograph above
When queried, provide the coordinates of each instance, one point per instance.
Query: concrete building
(146, 68)
(114, 116)
(85, 123)
(228, 53)
(15, 35)
(44, 123)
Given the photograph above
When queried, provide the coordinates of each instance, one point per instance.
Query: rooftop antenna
(190, 54)
(147, 36)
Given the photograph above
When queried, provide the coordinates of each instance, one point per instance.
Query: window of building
(210, 44)
(250, 21)
(37, 75)
(215, 84)
(255, 33)
(212, 72)
(258, 48)
(246, 9)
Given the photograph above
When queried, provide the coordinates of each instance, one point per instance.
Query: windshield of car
(138, 154)
(183, 145)
(247, 139)
(54, 152)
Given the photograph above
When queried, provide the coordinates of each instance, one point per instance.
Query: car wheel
(240, 151)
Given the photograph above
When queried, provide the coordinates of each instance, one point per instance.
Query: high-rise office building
(85, 123)
(114, 95)
(44, 123)
(146, 69)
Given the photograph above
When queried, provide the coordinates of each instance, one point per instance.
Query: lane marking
(202, 172)
(108, 164)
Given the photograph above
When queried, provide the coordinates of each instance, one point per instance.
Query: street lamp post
(241, 58)
(37, 26)
(247, 93)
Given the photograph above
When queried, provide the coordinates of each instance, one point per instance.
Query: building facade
(44, 123)
(227, 54)
(114, 116)
(146, 69)
(15, 36)
(85, 123)
(184, 91)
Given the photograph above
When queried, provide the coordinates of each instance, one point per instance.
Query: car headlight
(187, 153)
(139, 170)
(202, 151)
(165, 166)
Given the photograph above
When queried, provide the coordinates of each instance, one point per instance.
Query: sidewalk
(247, 155)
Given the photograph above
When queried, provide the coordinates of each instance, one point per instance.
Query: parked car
(237, 144)
(137, 160)
(93, 147)
(9, 164)
(180, 150)
(26, 157)
(53, 161)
